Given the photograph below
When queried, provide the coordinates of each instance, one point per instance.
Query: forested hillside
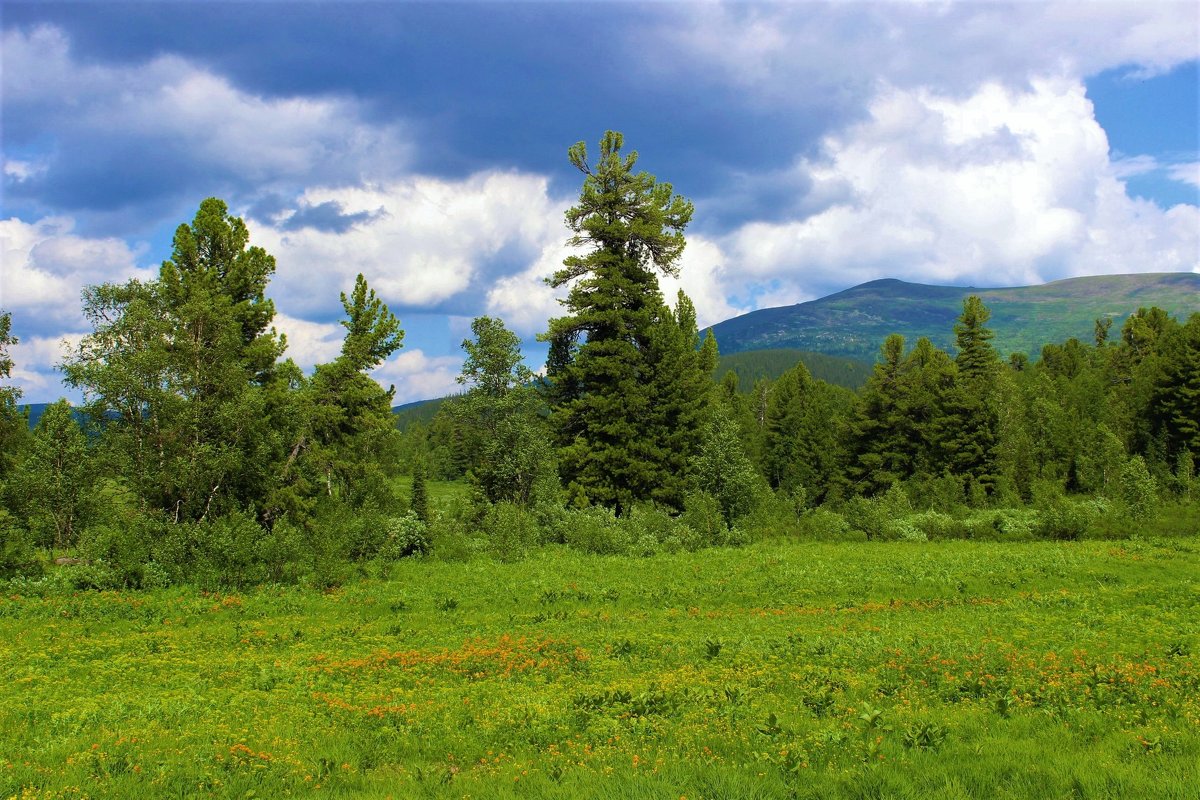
(854, 322)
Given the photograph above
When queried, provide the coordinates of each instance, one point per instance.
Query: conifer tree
(617, 361)
(420, 494)
(351, 430)
(800, 447)
(972, 435)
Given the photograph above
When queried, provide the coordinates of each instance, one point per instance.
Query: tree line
(206, 455)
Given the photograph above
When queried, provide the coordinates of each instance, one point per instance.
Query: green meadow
(923, 670)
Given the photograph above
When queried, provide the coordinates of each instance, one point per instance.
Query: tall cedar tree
(182, 372)
(626, 380)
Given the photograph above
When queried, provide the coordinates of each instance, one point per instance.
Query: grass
(955, 669)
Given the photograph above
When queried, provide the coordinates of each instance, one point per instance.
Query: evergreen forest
(202, 454)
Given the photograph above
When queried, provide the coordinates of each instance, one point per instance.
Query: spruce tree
(972, 435)
(620, 356)
(800, 445)
(419, 500)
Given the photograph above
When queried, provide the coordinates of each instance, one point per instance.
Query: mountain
(853, 323)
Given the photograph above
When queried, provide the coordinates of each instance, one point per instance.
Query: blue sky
(425, 146)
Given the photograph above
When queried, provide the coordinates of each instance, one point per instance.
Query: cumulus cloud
(132, 133)
(1000, 187)
(421, 242)
(791, 53)
(46, 266)
(418, 376)
(35, 360)
(310, 343)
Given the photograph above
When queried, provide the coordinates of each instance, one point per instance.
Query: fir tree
(419, 500)
(617, 362)
(972, 435)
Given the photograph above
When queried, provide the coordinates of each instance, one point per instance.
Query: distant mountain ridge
(853, 323)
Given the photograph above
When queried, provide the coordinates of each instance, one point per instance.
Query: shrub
(774, 513)
(702, 513)
(1139, 491)
(877, 516)
(597, 530)
(454, 531)
(825, 525)
(936, 525)
(404, 536)
(17, 556)
(1062, 519)
(511, 531)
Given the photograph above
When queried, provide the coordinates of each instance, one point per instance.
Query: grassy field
(783, 670)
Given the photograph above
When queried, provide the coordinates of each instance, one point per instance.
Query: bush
(1062, 519)
(825, 525)
(232, 550)
(597, 530)
(1139, 491)
(775, 514)
(936, 525)
(454, 531)
(404, 536)
(17, 555)
(652, 529)
(878, 516)
(115, 555)
(511, 531)
(702, 513)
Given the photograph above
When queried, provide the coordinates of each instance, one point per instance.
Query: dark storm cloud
(328, 217)
(479, 84)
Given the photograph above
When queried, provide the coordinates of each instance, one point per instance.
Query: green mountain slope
(854, 323)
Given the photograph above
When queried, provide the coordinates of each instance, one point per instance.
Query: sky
(425, 146)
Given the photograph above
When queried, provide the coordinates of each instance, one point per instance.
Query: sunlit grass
(814, 670)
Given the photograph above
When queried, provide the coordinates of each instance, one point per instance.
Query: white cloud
(1001, 187)
(35, 360)
(427, 242)
(791, 53)
(1133, 166)
(1188, 173)
(704, 277)
(46, 266)
(418, 376)
(310, 343)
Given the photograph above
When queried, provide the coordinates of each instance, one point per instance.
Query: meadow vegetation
(782, 669)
